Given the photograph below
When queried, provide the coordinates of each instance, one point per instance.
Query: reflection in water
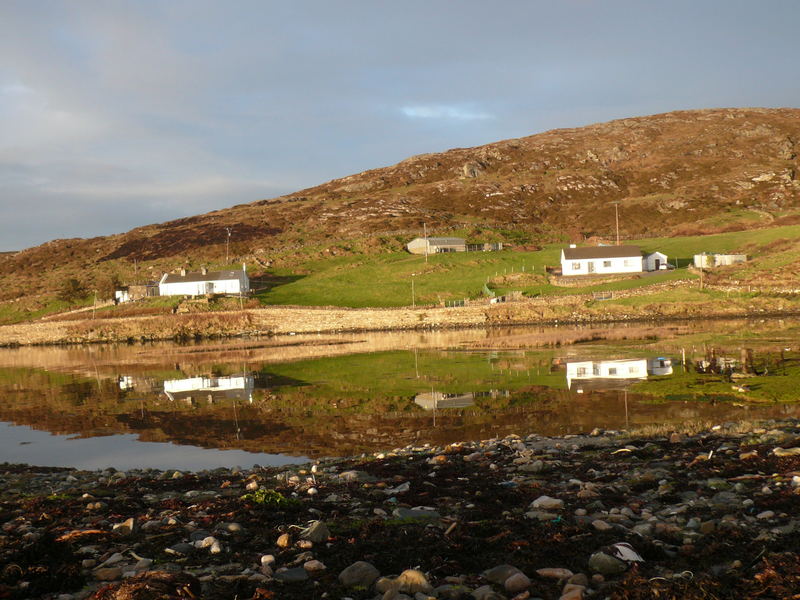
(263, 398)
(613, 374)
(437, 400)
(211, 389)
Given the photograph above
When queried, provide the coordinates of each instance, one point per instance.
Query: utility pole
(227, 244)
(413, 297)
(616, 217)
(425, 229)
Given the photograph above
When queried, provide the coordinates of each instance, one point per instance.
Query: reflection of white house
(234, 387)
(601, 260)
(204, 282)
(613, 374)
(605, 374)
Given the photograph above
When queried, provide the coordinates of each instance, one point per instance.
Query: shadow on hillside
(266, 283)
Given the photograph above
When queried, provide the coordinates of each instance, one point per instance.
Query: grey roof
(446, 241)
(602, 252)
(210, 276)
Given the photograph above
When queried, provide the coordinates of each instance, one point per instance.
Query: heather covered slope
(684, 172)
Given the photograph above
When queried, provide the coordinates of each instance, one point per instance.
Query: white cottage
(601, 260)
(205, 282)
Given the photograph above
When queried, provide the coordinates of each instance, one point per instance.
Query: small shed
(433, 245)
(133, 292)
(655, 261)
(205, 282)
(710, 260)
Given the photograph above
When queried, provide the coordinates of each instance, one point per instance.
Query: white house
(655, 261)
(205, 282)
(601, 260)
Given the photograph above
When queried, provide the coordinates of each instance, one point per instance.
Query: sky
(121, 113)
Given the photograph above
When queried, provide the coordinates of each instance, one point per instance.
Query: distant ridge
(689, 172)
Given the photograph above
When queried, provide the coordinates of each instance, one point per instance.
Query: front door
(658, 264)
(590, 267)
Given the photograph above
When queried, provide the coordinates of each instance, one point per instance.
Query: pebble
(360, 573)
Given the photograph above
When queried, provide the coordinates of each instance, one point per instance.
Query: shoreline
(516, 517)
(289, 320)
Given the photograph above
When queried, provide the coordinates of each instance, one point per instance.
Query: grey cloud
(183, 106)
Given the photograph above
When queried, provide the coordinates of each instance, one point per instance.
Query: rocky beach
(602, 515)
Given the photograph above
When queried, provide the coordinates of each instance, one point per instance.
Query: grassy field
(398, 279)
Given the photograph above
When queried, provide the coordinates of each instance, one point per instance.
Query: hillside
(679, 173)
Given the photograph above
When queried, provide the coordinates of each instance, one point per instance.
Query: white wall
(649, 261)
(602, 266)
(198, 288)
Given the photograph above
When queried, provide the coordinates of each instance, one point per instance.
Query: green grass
(13, 313)
(385, 280)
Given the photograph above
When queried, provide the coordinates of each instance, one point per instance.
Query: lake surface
(280, 401)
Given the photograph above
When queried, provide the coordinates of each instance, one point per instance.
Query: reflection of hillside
(260, 427)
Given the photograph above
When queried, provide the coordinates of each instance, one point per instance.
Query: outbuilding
(433, 245)
(601, 260)
(709, 261)
(205, 282)
(655, 261)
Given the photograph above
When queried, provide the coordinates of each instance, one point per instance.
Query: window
(627, 262)
(633, 369)
(612, 370)
(581, 371)
(576, 266)
(607, 264)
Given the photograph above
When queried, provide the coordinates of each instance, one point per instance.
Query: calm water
(274, 402)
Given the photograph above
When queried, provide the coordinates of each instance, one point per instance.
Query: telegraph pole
(425, 229)
(227, 244)
(616, 217)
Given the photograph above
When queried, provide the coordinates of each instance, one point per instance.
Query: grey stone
(602, 563)
(317, 532)
(516, 583)
(294, 575)
(360, 573)
(355, 476)
(547, 503)
(485, 592)
(500, 573)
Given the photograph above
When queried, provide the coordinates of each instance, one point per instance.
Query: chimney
(204, 271)
(573, 246)
(183, 272)
(244, 267)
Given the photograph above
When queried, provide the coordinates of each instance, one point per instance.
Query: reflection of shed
(659, 366)
(709, 261)
(605, 374)
(434, 400)
(233, 387)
